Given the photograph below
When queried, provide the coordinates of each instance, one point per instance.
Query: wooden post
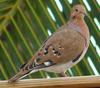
(64, 82)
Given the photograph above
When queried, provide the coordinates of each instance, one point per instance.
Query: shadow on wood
(69, 82)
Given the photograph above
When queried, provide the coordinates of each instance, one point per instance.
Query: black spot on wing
(31, 66)
(46, 51)
(23, 65)
(56, 52)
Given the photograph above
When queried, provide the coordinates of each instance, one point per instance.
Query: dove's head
(78, 11)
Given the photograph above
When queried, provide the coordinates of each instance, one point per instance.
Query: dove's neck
(79, 25)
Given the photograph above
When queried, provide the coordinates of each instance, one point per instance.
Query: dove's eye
(76, 10)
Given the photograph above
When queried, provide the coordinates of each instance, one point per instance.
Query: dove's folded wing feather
(56, 49)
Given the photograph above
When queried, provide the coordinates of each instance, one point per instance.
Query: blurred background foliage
(25, 24)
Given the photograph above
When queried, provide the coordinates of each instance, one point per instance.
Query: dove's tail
(25, 70)
(20, 75)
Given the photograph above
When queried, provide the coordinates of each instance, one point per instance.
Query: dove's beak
(85, 13)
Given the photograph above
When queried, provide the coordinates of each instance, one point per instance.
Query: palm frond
(25, 24)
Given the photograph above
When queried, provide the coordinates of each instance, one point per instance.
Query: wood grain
(64, 82)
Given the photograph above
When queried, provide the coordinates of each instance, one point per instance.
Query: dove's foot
(62, 74)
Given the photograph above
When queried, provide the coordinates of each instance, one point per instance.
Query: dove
(62, 50)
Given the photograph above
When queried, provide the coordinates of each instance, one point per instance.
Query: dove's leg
(62, 74)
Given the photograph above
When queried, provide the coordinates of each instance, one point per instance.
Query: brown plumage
(63, 49)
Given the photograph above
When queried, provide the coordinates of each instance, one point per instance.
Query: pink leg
(63, 74)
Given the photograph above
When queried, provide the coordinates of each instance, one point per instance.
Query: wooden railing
(69, 82)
